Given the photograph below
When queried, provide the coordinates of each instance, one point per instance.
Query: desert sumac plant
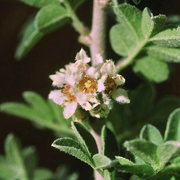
(90, 107)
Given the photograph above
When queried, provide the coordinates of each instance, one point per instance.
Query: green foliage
(21, 164)
(42, 112)
(173, 126)
(156, 151)
(85, 138)
(151, 134)
(109, 140)
(127, 166)
(152, 69)
(39, 3)
(141, 39)
(144, 108)
(73, 148)
(51, 16)
(101, 161)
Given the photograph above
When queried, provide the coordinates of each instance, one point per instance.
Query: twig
(98, 31)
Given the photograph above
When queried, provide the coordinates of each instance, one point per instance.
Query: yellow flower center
(87, 85)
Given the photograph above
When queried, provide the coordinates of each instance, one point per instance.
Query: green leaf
(164, 53)
(151, 134)
(109, 143)
(72, 148)
(20, 110)
(50, 17)
(167, 151)
(152, 69)
(39, 3)
(124, 37)
(101, 161)
(167, 38)
(43, 174)
(30, 160)
(57, 112)
(172, 131)
(38, 104)
(144, 150)
(128, 166)
(7, 170)
(85, 138)
(131, 17)
(14, 156)
(159, 23)
(12, 150)
(30, 36)
(147, 23)
(121, 40)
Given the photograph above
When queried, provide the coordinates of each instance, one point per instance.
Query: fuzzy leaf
(152, 69)
(131, 17)
(43, 174)
(151, 133)
(30, 36)
(109, 143)
(124, 37)
(128, 166)
(20, 110)
(7, 170)
(38, 104)
(159, 23)
(50, 17)
(12, 150)
(164, 53)
(167, 38)
(172, 131)
(39, 3)
(144, 150)
(85, 138)
(101, 161)
(72, 148)
(147, 23)
(167, 151)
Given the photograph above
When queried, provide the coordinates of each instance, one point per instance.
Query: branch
(98, 31)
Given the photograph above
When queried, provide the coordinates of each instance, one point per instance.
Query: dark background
(32, 73)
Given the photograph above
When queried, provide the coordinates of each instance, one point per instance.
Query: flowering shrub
(88, 87)
(89, 103)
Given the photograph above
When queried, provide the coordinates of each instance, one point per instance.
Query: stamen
(110, 85)
(70, 97)
(87, 85)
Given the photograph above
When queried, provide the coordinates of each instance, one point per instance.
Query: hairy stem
(98, 31)
(122, 64)
(97, 138)
(78, 24)
(98, 46)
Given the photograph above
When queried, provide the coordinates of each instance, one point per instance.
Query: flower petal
(101, 86)
(98, 60)
(119, 80)
(81, 55)
(58, 79)
(57, 97)
(121, 96)
(69, 109)
(108, 68)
